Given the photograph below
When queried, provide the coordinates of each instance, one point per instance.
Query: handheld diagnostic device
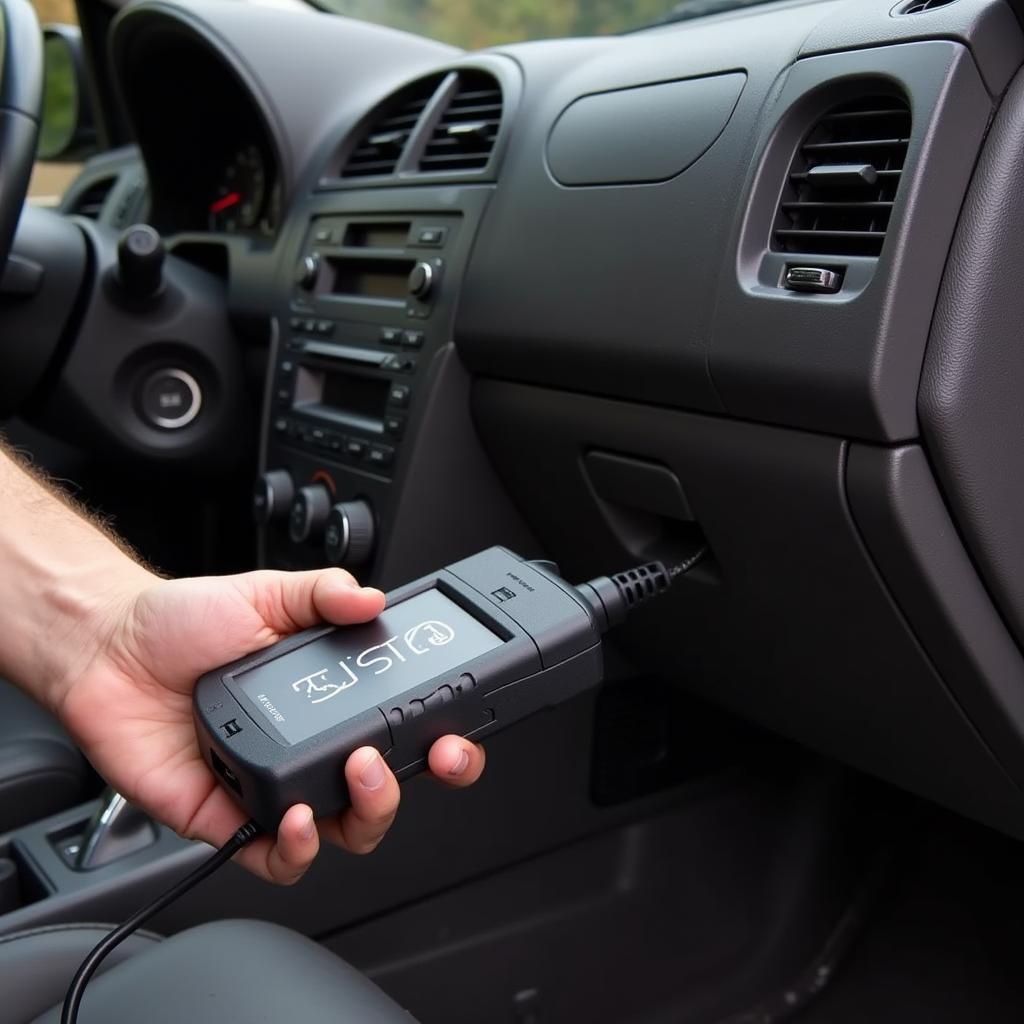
(470, 649)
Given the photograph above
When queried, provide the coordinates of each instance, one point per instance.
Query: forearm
(60, 575)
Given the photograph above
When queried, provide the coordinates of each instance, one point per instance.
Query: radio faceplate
(389, 264)
(370, 304)
(345, 376)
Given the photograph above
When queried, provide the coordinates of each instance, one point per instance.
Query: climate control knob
(272, 496)
(421, 280)
(308, 514)
(349, 536)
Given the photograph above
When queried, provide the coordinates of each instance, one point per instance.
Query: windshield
(473, 24)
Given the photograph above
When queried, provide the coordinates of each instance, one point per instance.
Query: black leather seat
(41, 769)
(218, 973)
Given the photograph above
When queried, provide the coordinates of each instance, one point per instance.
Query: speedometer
(241, 191)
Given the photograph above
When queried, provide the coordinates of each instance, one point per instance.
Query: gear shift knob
(117, 829)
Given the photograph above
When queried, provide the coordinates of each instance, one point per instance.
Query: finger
(341, 601)
(283, 861)
(298, 843)
(289, 601)
(373, 790)
(456, 761)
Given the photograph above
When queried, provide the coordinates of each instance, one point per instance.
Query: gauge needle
(225, 201)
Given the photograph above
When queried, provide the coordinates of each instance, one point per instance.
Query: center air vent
(464, 135)
(843, 180)
(378, 150)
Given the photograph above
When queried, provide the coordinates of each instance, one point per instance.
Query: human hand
(130, 707)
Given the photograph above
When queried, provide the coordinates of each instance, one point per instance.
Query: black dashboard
(701, 285)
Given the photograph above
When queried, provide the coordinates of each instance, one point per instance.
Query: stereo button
(431, 236)
(380, 455)
(354, 448)
(399, 394)
(412, 339)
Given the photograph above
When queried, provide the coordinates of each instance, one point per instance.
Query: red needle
(225, 201)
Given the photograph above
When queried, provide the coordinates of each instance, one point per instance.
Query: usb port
(225, 773)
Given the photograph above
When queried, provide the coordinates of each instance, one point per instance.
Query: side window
(51, 178)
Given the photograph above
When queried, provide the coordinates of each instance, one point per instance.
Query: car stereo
(364, 290)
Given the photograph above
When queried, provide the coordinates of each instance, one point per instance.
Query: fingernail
(372, 774)
(308, 828)
(461, 765)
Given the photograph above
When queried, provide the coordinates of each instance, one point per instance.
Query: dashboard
(713, 284)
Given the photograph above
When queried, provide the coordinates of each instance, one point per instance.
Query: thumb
(290, 601)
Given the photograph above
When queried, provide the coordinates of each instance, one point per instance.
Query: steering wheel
(21, 100)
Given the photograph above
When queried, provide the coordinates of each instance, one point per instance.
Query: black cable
(73, 999)
(613, 598)
(687, 564)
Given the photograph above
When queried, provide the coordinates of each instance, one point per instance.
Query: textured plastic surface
(469, 670)
(31, 326)
(849, 363)
(970, 405)
(647, 133)
(795, 630)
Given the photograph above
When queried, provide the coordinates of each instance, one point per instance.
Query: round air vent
(921, 6)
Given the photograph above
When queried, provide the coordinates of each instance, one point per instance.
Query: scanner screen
(357, 667)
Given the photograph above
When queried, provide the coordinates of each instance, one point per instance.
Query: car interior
(740, 282)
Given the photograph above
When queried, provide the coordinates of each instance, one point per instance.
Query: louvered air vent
(90, 202)
(922, 6)
(844, 179)
(380, 147)
(464, 135)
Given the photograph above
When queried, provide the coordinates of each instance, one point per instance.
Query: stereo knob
(348, 539)
(272, 496)
(306, 272)
(308, 514)
(421, 280)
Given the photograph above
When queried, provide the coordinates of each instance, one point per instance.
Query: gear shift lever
(117, 829)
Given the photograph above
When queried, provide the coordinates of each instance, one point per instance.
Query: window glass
(50, 179)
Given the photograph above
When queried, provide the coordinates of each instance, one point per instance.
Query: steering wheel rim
(21, 100)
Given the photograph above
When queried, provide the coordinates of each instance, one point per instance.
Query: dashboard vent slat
(842, 184)
(380, 146)
(465, 133)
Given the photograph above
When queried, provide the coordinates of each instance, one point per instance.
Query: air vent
(843, 181)
(464, 135)
(923, 6)
(90, 202)
(380, 147)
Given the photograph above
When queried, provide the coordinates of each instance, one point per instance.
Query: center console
(370, 302)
